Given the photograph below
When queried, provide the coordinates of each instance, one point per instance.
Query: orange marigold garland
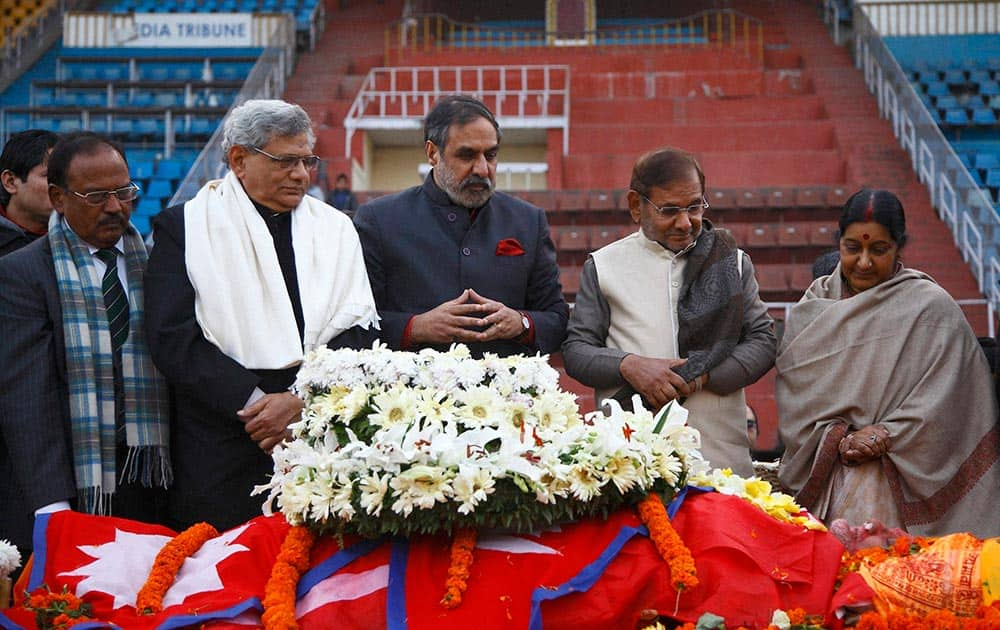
(279, 593)
(668, 542)
(167, 564)
(458, 571)
(56, 611)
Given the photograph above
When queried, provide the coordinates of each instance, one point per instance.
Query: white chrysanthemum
(469, 373)
(420, 487)
(478, 407)
(668, 466)
(585, 481)
(10, 558)
(622, 472)
(397, 405)
(373, 488)
(436, 406)
(471, 486)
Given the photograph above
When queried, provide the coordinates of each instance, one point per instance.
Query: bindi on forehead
(865, 236)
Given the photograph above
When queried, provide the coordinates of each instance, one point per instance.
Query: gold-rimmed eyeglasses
(100, 197)
(288, 162)
(695, 209)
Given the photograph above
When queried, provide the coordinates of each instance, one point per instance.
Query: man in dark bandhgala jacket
(453, 260)
(242, 281)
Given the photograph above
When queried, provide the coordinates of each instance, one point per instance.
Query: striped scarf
(90, 373)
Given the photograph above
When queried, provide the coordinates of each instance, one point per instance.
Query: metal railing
(961, 204)
(526, 97)
(716, 28)
(932, 17)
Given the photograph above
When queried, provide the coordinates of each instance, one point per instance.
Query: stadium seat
(751, 198)
(141, 223)
(836, 196)
(993, 178)
(937, 88)
(822, 234)
(738, 230)
(159, 189)
(169, 169)
(928, 76)
(989, 88)
(956, 117)
(605, 235)
(574, 239)
(800, 277)
(978, 76)
(987, 160)
(569, 277)
(721, 199)
(810, 196)
(602, 200)
(538, 198)
(955, 77)
(141, 169)
(571, 200)
(762, 235)
(772, 278)
(781, 198)
(792, 235)
(983, 116)
(946, 102)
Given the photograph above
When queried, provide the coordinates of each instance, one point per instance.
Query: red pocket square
(509, 247)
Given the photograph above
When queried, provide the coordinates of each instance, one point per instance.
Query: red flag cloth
(106, 560)
(749, 564)
(505, 572)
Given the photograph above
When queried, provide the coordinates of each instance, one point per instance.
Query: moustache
(476, 180)
(115, 220)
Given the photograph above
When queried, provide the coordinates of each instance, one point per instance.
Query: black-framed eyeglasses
(100, 197)
(695, 209)
(288, 162)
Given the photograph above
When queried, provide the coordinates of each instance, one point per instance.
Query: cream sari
(901, 355)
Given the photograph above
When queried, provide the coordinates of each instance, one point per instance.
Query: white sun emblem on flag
(121, 566)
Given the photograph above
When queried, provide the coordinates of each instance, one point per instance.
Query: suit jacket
(36, 457)
(421, 250)
(216, 464)
(13, 237)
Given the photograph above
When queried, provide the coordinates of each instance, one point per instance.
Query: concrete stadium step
(747, 136)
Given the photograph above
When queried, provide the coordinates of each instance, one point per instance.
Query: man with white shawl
(243, 280)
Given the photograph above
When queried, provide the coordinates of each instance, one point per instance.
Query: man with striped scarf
(83, 411)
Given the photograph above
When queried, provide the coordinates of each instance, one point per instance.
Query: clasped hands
(656, 381)
(462, 320)
(867, 443)
(266, 419)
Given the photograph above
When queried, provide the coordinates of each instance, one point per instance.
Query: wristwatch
(526, 323)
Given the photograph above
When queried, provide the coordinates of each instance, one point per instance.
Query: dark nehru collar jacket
(421, 250)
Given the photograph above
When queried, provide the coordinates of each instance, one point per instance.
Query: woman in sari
(886, 405)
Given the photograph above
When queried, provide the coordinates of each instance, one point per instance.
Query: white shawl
(241, 302)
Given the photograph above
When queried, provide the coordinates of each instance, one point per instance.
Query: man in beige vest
(672, 311)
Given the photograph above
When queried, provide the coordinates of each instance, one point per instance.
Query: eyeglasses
(288, 162)
(693, 210)
(100, 197)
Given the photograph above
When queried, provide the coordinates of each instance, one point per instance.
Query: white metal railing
(932, 17)
(525, 97)
(508, 172)
(960, 202)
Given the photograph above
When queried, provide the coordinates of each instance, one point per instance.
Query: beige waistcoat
(633, 273)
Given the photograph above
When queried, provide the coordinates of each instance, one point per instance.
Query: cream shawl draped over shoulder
(241, 302)
(901, 355)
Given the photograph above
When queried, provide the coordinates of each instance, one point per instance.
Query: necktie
(114, 299)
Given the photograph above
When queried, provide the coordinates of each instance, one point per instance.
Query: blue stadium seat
(93, 99)
(141, 223)
(966, 160)
(169, 169)
(983, 116)
(67, 125)
(946, 102)
(165, 99)
(989, 88)
(156, 73)
(159, 189)
(147, 207)
(986, 160)
(976, 178)
(978, 76)
(142, 99)
(111, 73)
(938, 88)
(123, 127)
(98, 124)
(955, 77)
(956, 116)
(149, 128)
(141, 169)
(993, 177)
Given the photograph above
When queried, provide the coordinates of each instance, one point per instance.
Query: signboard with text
(186, 30)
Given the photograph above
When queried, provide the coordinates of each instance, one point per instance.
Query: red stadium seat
(574, 239)
(836, 196)
(811, 197)
(569, 277)
(781, 198)
(739, 231)
(822, 234)
(801, 277)
(601, 235)
(543, 199)
(751, 198)
(762, 235)
(721, 199)
(772, 278)
(603, 200)
(793, 234)
(571, 200)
